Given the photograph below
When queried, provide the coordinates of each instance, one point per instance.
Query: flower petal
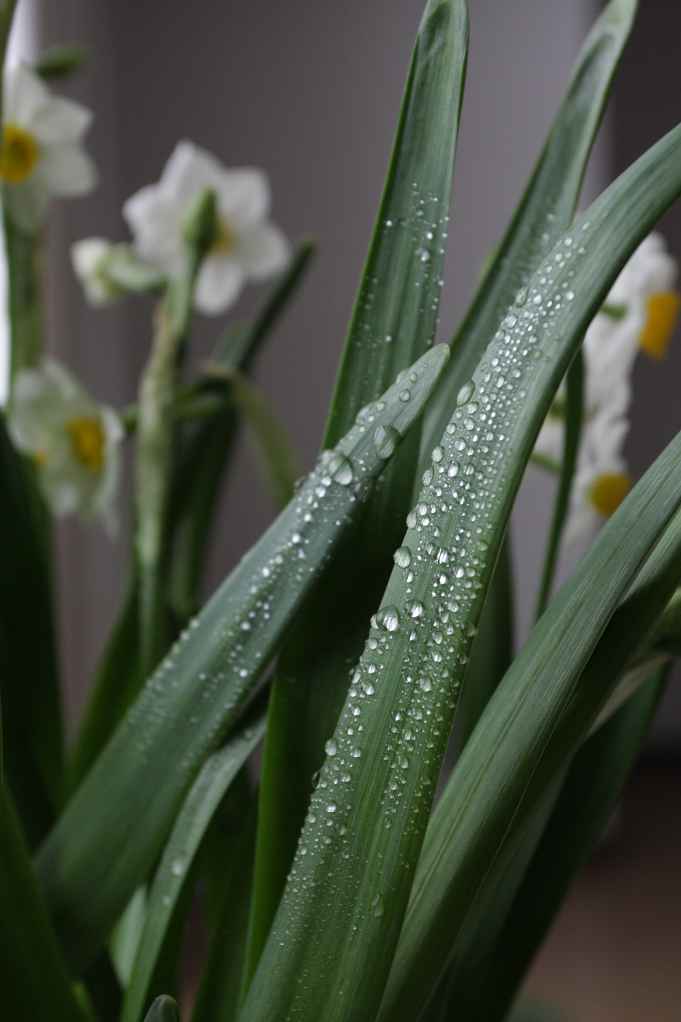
(68, 170)
(61, 120)
(218, 286)
(155, 220)
(25, 96)
(243, 197)
(188, 171)
(263, 251)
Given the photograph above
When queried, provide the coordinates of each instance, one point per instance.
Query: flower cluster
(247, 247)
(639, 314)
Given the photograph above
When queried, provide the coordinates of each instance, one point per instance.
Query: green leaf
(111, 832)
(585, 806)
(201, 803)
(163, 1009)
(218, 996)
(31, 712)
(33, 976)
(343, 905)
(394, 319)
(116, 683)
(628, 643)
(573, 428)
(502, 785)
(545, 211)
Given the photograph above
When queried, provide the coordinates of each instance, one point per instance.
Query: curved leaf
(112, 830)
(203, 799)
(333, 938)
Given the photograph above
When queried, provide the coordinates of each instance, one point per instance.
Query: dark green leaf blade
(587, 800)
(112, 830)
(29, 682)
(394, 319)
(33, 976)
(203, 799)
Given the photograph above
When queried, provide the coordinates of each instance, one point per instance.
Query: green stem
(23, 285)
(573, 429)
(154, 460)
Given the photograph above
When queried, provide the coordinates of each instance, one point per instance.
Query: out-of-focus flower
(90, 258)
(41, 152)
(640, 313)
(109, 270)
(248, 245)
(74, 441)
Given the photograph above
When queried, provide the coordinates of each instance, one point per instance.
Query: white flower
(74, 441)
(248, 246)
(90, 258)
(640, 313)
(41, 153)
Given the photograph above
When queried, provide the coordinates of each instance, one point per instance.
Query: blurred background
(310, 92)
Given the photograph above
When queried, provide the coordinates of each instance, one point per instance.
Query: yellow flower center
(225, 239)
(607, 491)
(18, 154)
(662, 315)
(88, 441)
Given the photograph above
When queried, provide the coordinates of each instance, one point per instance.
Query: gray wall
(311, 93)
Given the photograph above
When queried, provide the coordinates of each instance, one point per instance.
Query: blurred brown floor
(614, 954)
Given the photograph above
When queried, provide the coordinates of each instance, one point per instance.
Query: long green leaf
(394, 319)
(471, 979)
(112, 830)
(546, 208)
(33, 976)
(545, 211)
(574, 402)
(203, 799)
(586, 803)
(29, 685)
(343, 906)
(531, 728)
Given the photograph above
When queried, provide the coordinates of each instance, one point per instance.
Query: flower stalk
(155, 427)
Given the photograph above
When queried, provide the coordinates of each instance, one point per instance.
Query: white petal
(155, 220)
(188, 171)
(61, 120)
(218, 286)
(25, 96)
(68, 170)
(243, 197)
(263, 251)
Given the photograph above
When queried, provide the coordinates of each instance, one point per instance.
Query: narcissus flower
(248, 245)
(639, 314)
(74, 441)
(41, 151)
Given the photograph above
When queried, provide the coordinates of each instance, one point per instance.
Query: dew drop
(402, 557)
